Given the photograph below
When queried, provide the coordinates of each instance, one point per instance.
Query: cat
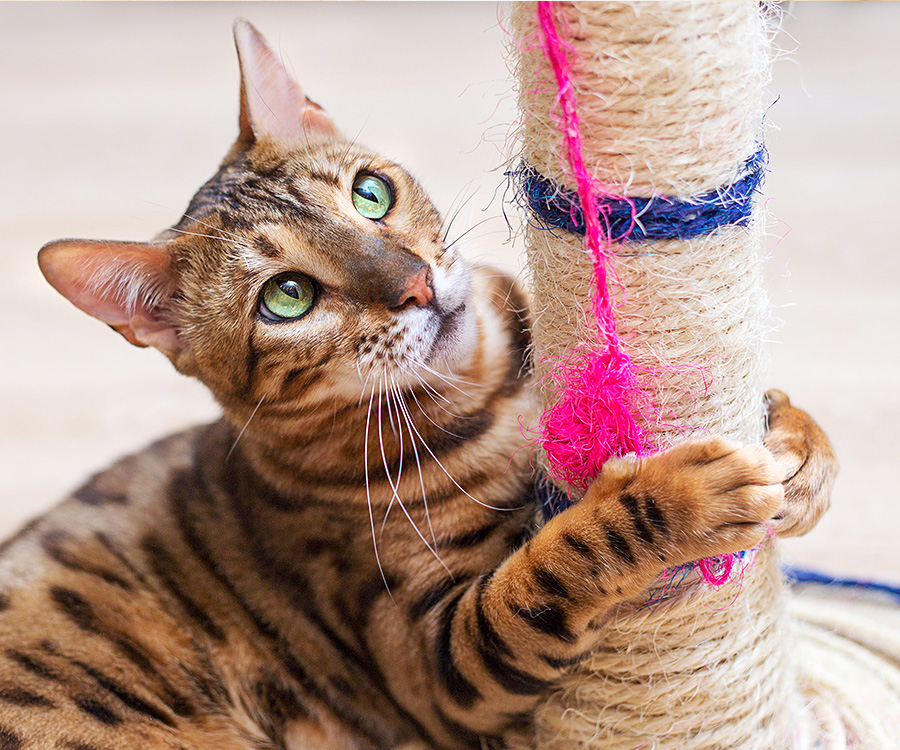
(347, 558)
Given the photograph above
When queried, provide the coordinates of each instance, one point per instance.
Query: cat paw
(805, 452)
(712, 495)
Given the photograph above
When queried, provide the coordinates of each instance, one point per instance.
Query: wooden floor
(112, 114)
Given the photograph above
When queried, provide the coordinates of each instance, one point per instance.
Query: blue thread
(802, 575)
(550, 497)
(647, 219)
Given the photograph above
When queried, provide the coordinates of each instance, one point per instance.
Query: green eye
(372, 196)
(287, 297)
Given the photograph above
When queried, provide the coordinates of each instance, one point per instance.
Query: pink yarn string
(716, 570)
(555, 51)
(594, 417)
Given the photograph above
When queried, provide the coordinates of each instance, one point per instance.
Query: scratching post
(668, 103)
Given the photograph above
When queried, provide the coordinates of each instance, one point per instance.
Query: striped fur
(346, 559)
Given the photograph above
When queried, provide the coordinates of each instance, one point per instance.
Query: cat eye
(287, 297)
(372, 195)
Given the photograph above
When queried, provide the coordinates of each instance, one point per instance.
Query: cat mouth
(444, 339)
(450, 322)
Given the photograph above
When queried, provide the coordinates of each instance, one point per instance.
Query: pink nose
(418, 291)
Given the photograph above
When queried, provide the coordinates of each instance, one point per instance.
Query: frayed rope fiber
(646, 219)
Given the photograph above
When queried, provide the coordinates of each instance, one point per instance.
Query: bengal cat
(346, 559)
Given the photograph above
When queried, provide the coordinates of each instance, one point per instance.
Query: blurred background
(114, 113)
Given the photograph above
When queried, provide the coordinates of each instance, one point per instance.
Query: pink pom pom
(594, 417)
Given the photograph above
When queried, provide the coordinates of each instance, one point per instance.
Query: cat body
(347, 559)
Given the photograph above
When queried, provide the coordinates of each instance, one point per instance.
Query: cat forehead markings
(288, 248)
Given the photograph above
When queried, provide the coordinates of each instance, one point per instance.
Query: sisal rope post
(669, 97)
(669, 106)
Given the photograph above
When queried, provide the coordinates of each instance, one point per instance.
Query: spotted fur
(346, 559)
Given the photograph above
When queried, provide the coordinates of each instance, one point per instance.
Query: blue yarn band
(802, 575)
(647, 219)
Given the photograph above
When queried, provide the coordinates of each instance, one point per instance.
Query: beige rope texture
(670, 101)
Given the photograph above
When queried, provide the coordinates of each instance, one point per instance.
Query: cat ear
(272, 103)
(120, 283)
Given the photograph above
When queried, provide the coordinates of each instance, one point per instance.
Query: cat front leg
(502, 641)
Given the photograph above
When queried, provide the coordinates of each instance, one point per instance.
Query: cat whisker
(455, 483)
(362, 392)
(191, 217)
(395, 483)
(334, 416)
(407, 418)
(244, 429)
(344, 159)
(241, 245)
(481, 236)
(396, 494)
(428, 417)
(390, 411)
(469, 230)
(458, 211)
(412, 364)
(446, 378)
(369, 494)
(432, 391)
(387, 471)
(369, 374)
(435, 395)
(232, 235)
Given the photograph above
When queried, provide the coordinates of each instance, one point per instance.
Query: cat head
(306, 265)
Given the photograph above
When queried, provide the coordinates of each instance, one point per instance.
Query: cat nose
(418, 290)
